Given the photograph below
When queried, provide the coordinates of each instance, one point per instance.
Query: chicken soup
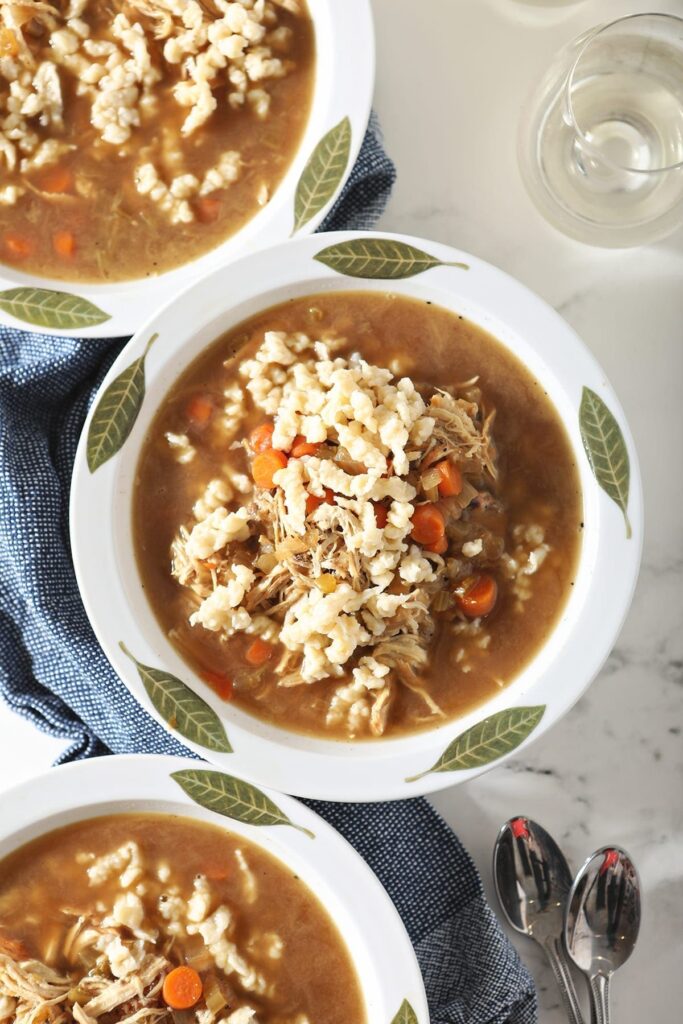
(156, 919)
(357, 515)
(136, 135)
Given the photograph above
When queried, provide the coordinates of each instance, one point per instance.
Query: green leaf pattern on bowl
(487, 741)
(606, 450)
(181, 707)
(233, 798)
(405, 1015)
(380, 259)
(116, 412)
(323, 174)
(47, 308)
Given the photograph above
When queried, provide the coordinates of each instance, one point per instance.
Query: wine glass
(601, 140)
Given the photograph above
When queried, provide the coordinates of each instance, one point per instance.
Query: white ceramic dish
(365, 916)
(562, 668)
(343, 89)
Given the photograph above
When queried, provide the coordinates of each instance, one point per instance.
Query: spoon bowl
(532, 878)
(603, 921)
(603, 913)
(533, 881)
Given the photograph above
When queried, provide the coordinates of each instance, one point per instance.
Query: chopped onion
(183, 1016)
(289, 547)
(193, 946)
(466, 495)
(196, 953)
(349, 465)
(442, 601)
(266, 562)
(213, 995)
(430, 479)
(430, 484)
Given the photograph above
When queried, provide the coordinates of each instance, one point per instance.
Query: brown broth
(315, 975)
(121, 235)
(538, 483)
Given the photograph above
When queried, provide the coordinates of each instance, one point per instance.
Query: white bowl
(363, 770)
(367, 920)
(344, 84)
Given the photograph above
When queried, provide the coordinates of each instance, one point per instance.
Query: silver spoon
(603, 920)
(532, 881)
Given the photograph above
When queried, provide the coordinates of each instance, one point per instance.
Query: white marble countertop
(452, 77)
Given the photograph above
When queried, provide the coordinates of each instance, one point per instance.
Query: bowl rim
(346, 886)
(563, 667)
(342, 89)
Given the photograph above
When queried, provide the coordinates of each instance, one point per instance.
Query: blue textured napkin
(53, 672)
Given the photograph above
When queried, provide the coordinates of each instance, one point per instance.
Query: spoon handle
(599, 986)
(558, 961)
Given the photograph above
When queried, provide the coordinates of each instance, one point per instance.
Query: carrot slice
(64, 244)
(223, 685)
(439, 546)
(182, 988)
(199, 409)
(450, 482)
(476, 596)
(216, 872)
(259, 652)
(56, 180)
(208, 210)
(265, 466)
(18, 245)
(313, 501)
(261, 437)
(381, 514)
(428, 525)
(300, 446)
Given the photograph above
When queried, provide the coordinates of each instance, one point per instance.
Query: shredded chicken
(116, 961)
(350, 601)
(459, 431)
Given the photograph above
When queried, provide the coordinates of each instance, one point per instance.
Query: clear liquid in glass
(600, 149)
(629, 121)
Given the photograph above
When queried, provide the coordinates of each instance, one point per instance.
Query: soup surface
(95, 917)
(357, 514)
(135, 135)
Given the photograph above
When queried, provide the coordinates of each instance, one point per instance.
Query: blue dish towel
(53, 672)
